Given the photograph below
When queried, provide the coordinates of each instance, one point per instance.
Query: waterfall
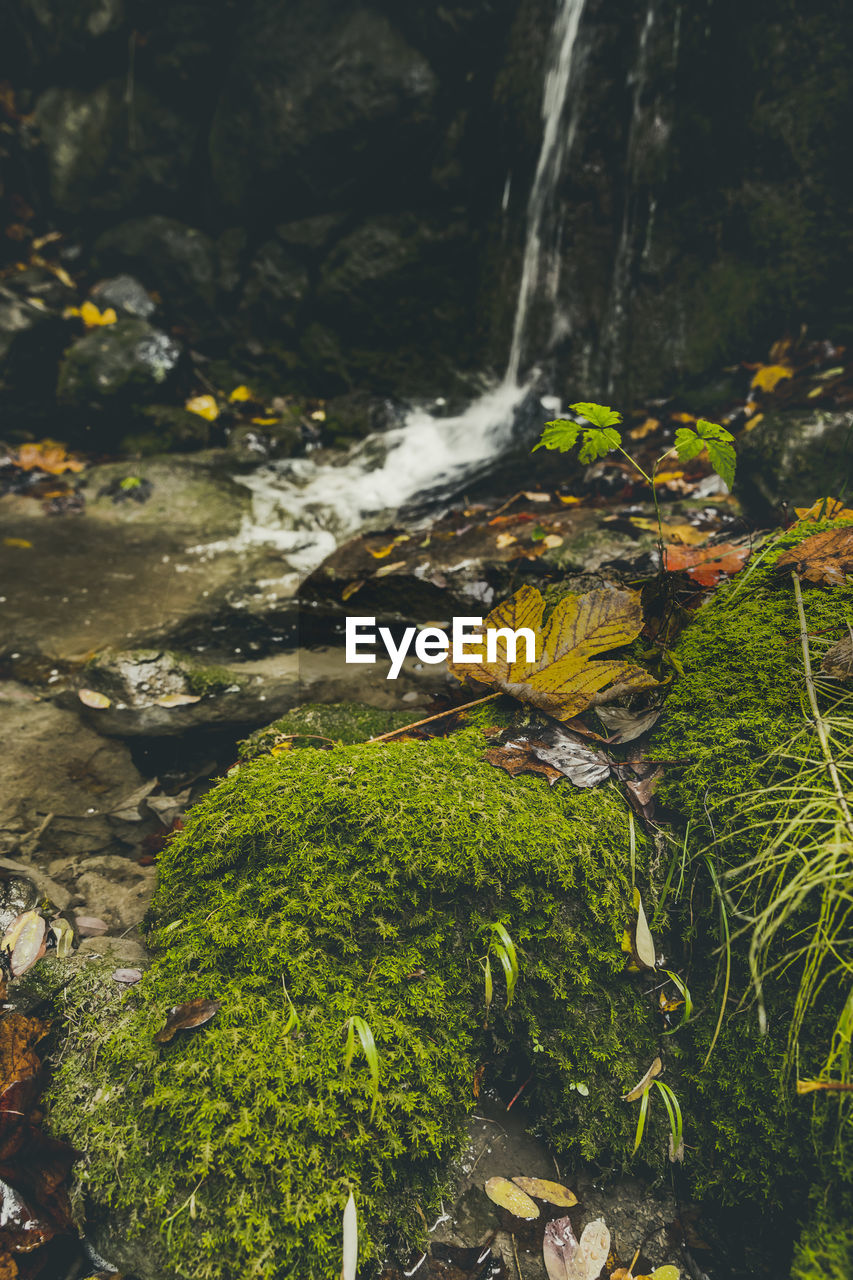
(555, 145)
(306, 509)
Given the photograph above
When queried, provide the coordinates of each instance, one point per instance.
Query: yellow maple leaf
(767, 376)
(240, 393)
(204, 406)
(564, 679)
(684, 533)
(824, 509)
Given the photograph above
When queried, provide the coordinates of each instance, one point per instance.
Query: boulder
(127, 361)
(794, 457)
(357, 882)
(323, 105)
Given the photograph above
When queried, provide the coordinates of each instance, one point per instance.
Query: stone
(128, 360)
(318, 105)
(276, 287)
(794, 456)
(120, 895)
(119, 951)
(124, 293)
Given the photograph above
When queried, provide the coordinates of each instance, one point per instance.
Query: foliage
(367, 876)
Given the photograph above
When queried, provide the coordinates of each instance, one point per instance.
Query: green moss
(825, 1250)
(344, 722)
(209, 680)
(362, 877)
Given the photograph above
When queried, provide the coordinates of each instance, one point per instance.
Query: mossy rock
(741, 699)
(339, 722)
(363, 879)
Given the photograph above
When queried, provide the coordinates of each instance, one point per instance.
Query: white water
(306, 509)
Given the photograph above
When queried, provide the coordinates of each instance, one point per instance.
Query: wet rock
(117, 888)
(357, 105)
(358, 414)
(249, 444)
(125, 294)
(793, 457)
(126, 361)
(91, 165)
(276, 287)
(17, 315)
(161, 428)
(118, 951)
(177, 261)
(17, 894)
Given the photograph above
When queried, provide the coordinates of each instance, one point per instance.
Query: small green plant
(673, 1109)
(356, 1026)
(502, 946)
(601, 437)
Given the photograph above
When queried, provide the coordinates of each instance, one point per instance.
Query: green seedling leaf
(358, 1027)
(600, 415)
(490, 990)
(559, 434)
(350, 1250)
(553, 1192)
(676, 1123)
(641, 1122)
(597, 444)
(506, 1195)
(689, 444)
(685, 995)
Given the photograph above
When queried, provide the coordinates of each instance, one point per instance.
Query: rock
(92, 167)
(17, 895)
(17, 316)
(115, 888)
(177, 261)
(118, 951)
(162, 427)
(794, 456)
(318, 105)
(383, 868)
(276, 287)
(358, 414)
(128, 361)
(72, 27)
(126, 294)
(248, 444)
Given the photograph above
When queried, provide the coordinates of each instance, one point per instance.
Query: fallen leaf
(552, 540)
(640, 1088)
(592, 1251)
(515, 759)
(564, 679)
(128, 977)
(567, 752)
(533, 495)
(93, 317)
(90, 926)
(195, 1013)
(506, 1195)
(668, 1272)
(25, 939)
(167, 808)
(559, 1247)
(838, 661)
(707, 565)
(644, 945)
(684, 533)
(351, 588)
(389, 568)
(90, 698)
(127, 809)
(204, 407)
(768, 376)
(553, 1192)
(753, 422)
(642, 786)
(569, 500)
(505, 540)
(832, 1086)
(644, 429)
(682, 417)
(265, 422)
(381, 552)
(64, 934)
(240, 394)
(21, 544)
(825, 558)
(623, 725)
(178, 699)
(824, 509)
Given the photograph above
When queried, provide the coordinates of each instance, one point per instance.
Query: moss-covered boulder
(359, 881)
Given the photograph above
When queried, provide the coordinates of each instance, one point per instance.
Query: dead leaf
(90, 926)
(381, 552)
(204, 406)
(569, 500)
(566, 751)
(195, 1013)
(768, 376)
(507, 1196)
(48, 456)
(64, 934)
(706, 566)
(127, 808)
(825, 558)
(832, 1086)
(824, 509)
(390, 568)
(552, 540)
(128, 977)
(505, 540)
(564, 679)
(240, 394)
(623, 725)
(644, 945)
(515, 759)
(642, 786)
(683, 533)
(91, 698)
(167, 808)
(178, 699)
(640, 1088)
(20, 544)
(559, 1247)
(668, 1272)
(533, 495)
(25, 940)
(838, 661)
(553, 1192)
(644, 429)
(351, 588)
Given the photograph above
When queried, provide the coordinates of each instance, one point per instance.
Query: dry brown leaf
(195, 1013)
(639, 1089)
(48, 456)
(565, 678)
(825, 558)
(706, 565)
(838, 661)
(824, 509)
(515, 759)
(559, 1247)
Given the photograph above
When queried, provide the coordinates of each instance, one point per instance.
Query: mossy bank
(356, 881)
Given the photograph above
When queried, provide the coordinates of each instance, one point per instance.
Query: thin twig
(819, 723)
(517, 1263)
(449, 712)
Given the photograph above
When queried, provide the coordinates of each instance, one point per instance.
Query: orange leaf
(706, 565)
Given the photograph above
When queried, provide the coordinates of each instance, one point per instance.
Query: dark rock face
(795, 457)
(128, 360)
(337, 190)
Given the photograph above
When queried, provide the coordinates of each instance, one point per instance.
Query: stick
(449, 712)
(517, 1263)
(818, 718)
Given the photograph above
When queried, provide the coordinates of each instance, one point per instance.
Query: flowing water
(306, 509)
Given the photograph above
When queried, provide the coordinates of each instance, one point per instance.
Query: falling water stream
(305, 508)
